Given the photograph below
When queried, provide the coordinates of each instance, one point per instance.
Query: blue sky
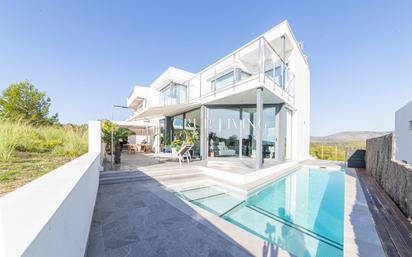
(87, 55)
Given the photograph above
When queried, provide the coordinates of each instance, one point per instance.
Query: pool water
(301, 212)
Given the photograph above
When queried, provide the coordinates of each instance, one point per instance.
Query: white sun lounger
(184, 152)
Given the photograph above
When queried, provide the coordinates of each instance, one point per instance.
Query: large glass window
(223, 81)
(249, 132)
(277, 75)
(173, 94)
(224, 131)
(165, 95)
(227, 79)
(177, 127)
(192, 130)
(269, 133)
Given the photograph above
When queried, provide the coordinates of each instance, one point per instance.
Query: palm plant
(118, 134)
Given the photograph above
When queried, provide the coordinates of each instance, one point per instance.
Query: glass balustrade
(257, 57)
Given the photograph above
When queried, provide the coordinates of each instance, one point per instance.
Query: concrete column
(283, 61)
(158, 137)
(203, 133)
(280, 133)
(258, 127)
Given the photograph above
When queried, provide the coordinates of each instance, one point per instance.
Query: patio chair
(184, 152)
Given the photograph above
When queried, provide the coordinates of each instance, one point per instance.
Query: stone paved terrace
(135, 217)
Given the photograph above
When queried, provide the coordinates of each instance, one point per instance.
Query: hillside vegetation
(349, 136)
(335, 146)
(334, 150)
(27, 151)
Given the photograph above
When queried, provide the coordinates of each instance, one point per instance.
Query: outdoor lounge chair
(184, 152)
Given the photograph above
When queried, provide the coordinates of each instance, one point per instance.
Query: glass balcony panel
(247, 61)
(277, 71)
(272, 65)
(173, 94)
(207, 78)
(180, 93)
(193, 86)
(224, 73)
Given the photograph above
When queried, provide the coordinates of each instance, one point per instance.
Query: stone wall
(394, 176)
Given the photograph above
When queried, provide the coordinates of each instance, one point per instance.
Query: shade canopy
(168, 110)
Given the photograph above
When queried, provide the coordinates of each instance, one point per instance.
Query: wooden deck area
(394, 229)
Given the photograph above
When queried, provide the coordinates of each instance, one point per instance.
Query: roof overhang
(135, 124)
(168, 110)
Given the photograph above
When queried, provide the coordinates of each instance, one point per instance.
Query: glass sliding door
(223, 131)
(192, 130)
(288, 143)
(232, 130)
(177, 127)
(269, 132)
(249, 132)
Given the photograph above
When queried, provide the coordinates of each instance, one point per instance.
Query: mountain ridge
(349, 136)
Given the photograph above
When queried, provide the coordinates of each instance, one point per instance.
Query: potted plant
(118, 134)
(176, 144)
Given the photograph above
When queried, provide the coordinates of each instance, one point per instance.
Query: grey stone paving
(130, 220)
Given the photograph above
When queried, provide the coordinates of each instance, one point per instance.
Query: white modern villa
(254, 191)
(252, 104)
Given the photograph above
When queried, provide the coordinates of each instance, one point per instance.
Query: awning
(168, 110)
(135, 124)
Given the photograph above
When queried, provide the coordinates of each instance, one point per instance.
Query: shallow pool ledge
(360, 237)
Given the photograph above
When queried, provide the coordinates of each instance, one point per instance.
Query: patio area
(135, 216)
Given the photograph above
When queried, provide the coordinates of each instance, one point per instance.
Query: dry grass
(28, 152)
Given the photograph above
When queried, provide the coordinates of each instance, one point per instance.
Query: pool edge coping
(358, 220)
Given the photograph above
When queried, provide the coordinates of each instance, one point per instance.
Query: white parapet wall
(51, 216)
(403, 133)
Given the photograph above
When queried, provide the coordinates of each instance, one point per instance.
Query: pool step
(126, 177)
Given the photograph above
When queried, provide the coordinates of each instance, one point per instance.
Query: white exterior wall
(403, 134)
(51, 216)
(301, 119)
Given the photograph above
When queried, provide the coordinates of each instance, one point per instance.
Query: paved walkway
(392, 226)
(130, 220)
(130, 162)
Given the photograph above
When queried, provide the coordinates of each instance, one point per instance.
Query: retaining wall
(394, 176)
(51, 216)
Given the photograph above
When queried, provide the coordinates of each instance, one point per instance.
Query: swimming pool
(301, 212)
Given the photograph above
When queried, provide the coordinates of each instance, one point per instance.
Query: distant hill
(349, 136)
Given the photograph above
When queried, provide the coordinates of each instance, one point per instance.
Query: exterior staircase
(149, 174)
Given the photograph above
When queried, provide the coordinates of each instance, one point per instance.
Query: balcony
(259, 60)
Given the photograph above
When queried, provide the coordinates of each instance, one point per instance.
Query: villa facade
(252, 104)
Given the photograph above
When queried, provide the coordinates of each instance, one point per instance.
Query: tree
(23, 102)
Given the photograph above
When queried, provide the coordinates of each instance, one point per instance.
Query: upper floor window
(173, 94)
(228, 78)
(277, 75)
(410, 125)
